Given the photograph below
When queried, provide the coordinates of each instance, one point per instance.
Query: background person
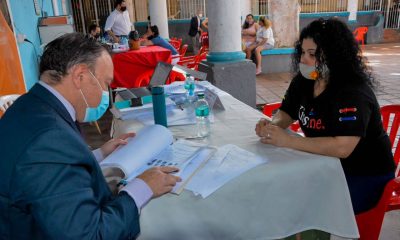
(94, 31)
(264, 40)
(195, 31)
(332, 97)
(118, 23)
(249, 31)
(152, 37)
(51, 184)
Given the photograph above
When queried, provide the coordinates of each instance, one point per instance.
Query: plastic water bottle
(202, 116)
(124, 42)
(189, 86)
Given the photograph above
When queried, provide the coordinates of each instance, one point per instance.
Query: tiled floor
(384, 60)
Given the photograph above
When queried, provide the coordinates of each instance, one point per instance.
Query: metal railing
(86, 12)
(316, 6)
(370, 5)
(392, 14)
(185, 9)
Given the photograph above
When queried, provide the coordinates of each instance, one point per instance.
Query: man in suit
(51, 185)
(195, 31)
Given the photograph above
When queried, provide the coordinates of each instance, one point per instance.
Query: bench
(277, 60)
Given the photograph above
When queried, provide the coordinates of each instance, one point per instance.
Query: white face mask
(310, 72)
(200, 15)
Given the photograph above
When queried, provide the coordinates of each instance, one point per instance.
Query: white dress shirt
(119, 23)
(137, 189)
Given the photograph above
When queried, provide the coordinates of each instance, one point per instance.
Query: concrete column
(284, 15)
(159, 16)
(55, 8)
(224, 29)
(245, 8)
(352, 8)
(226, 66)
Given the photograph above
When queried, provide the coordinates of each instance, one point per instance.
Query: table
(295, 191)
(132, 66)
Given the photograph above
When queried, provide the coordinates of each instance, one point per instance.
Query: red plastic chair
(193, 61)
(144, 78)
(370, 223)
(204, 39)
(392, 112)
(359, 35)
(270, 108)
(176, 44)
(183, 50)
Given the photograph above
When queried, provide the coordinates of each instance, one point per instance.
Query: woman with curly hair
(332, 97)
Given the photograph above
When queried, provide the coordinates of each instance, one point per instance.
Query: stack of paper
(227, 163)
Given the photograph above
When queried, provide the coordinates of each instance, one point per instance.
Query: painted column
(284, 15)
(224, 29)
(55, 8)
(352, 7)
(159, 16)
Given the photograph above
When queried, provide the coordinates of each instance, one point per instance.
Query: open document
(153, 146)
(227, 163)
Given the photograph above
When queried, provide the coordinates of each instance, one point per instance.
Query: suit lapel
(47, 97)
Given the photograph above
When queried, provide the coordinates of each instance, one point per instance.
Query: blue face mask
(93, 114)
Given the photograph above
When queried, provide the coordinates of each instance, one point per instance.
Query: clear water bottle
(124, 42)
(189, 86)
(202, 116)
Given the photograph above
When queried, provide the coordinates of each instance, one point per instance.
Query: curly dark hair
(337, 49)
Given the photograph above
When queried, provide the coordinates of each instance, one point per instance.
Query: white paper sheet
(227, 163)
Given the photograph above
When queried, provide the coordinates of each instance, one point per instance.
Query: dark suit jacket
(194, 23)
(51, 186)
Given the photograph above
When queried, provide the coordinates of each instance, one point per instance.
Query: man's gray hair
(71, 49)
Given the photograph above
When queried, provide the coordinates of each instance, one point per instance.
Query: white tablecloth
(293, 192)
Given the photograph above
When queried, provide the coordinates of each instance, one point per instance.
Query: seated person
(332, 97)
(264, 40)
(249, 31)
(94, 32)
(152, 37)
(51, 184)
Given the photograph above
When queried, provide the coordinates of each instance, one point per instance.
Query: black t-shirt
(353, 111)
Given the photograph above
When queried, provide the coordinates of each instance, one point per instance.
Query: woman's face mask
(311, 72)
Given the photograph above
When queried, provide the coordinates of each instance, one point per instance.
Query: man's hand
(111, 145)
(160, 180)
(115, 39)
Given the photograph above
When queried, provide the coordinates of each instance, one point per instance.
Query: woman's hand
(274, 135)
(111, 145)
(262, 123)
